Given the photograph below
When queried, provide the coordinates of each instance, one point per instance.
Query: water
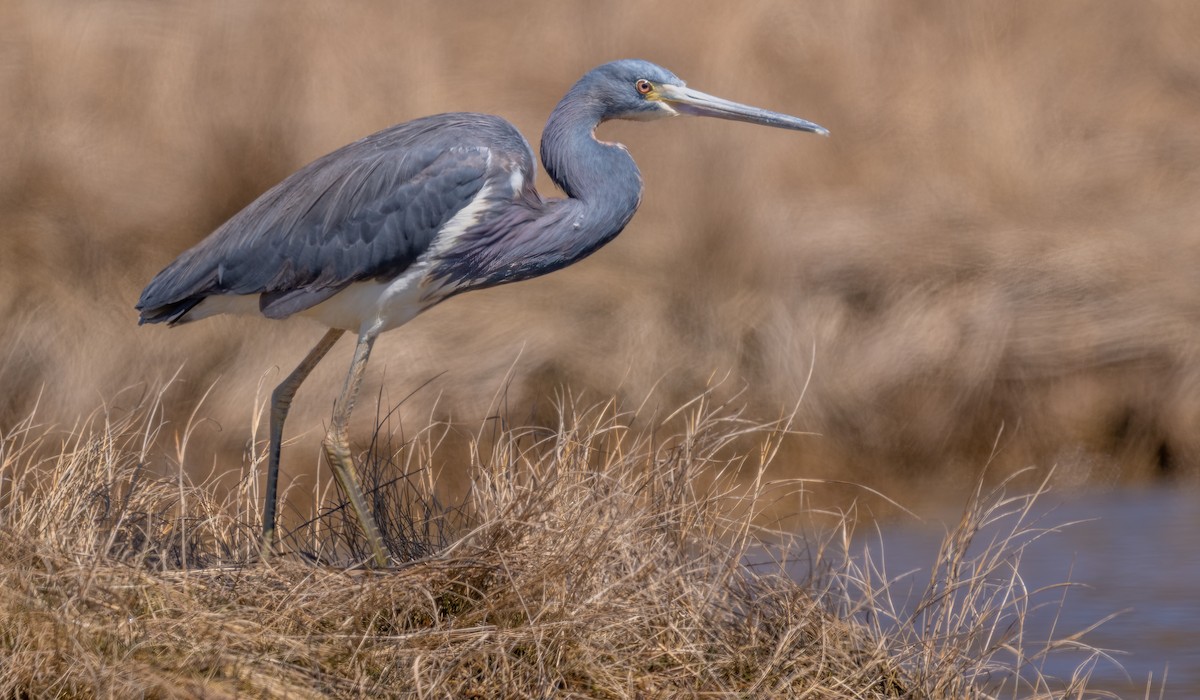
(1136, 550)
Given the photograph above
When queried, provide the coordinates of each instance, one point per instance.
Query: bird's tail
(171, 313)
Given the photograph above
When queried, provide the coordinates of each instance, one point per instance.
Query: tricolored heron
(369, 236)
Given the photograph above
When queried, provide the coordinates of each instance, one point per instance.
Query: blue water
(1135, 550)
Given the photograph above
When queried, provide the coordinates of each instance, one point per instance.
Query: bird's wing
(366, 211)
(371, 222)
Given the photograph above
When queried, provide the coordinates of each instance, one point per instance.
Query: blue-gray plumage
(367, 237)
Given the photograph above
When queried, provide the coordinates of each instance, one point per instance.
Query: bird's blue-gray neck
(601, 178)
(603, 188)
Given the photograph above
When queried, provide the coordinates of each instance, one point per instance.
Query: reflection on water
(1135, 550)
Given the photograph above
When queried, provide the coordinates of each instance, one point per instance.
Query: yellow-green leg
(281, 401)
(337, 448)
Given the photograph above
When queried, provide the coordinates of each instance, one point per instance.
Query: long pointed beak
(688, 101)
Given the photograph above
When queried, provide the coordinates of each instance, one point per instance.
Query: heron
(365, 238)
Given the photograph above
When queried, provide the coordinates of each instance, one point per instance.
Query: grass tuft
(602, 558)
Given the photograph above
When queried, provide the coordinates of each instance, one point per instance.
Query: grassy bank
(607, 558)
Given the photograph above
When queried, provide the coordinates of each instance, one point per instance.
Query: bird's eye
(643, 86)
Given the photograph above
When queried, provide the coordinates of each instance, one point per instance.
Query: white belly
(361, 307)
(375, 306)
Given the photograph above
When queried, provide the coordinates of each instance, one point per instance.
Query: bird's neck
(601, 181)
(603, 188)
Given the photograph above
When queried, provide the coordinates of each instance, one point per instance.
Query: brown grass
(999, 235)
(593, 560)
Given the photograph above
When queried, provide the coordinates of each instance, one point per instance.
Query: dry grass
(593, 560)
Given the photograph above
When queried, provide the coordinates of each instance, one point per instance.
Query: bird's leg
(337, 448)
(281, 401)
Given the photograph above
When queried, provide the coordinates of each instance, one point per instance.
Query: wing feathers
(367, 211)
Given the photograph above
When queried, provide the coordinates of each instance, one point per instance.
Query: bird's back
(366, 211)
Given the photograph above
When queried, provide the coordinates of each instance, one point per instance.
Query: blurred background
(993, 257)
(991, 263)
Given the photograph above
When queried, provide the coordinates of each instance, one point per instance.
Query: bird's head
(640, 90)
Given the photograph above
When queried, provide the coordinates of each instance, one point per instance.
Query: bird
(367, 237)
